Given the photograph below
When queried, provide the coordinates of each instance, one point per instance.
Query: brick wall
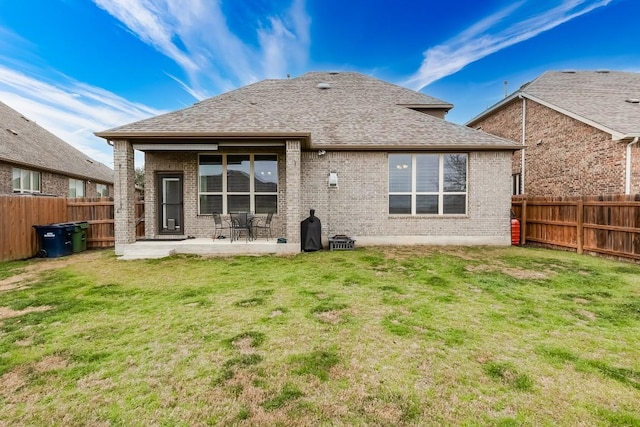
(359, 205)
(6, 175)
(187, 162)
(51, 183)
(124, 194)
(564, 157)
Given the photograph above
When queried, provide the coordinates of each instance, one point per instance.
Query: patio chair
(240, 223)
(264, 226)
(220, 225)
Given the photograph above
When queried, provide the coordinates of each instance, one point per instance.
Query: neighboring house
(376, 161)
(580, 129)
(34, 161)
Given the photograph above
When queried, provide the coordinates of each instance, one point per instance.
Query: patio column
(292, 191)
(124, 194)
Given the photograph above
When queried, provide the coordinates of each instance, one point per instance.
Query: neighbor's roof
(342, 110)
(25, 143)
(602, 99)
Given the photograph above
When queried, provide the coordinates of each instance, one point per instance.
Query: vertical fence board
(608, 225)
(19, 213)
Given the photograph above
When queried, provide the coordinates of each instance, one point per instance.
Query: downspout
(524, 137)
(627, 188)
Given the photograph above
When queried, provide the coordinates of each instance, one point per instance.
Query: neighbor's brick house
(34, 161)
(404, 175)
(580, 129)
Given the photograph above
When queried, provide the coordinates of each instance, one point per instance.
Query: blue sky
(81, 66)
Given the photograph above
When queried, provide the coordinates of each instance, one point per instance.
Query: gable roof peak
(595, 97)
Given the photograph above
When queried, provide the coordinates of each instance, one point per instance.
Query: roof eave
(428, 106)
(409, 147)
(615, 135)
(493, 108)
(56, 171)
(625, 137)
(200, 135)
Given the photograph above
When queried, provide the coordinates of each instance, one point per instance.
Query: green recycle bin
(78, 235)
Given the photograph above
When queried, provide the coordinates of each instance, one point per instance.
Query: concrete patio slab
(150, 249)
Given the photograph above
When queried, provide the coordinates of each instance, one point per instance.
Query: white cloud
(494, 33)
(195, 34)
(70, 110)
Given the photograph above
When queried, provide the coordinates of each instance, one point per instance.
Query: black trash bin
(55, 240)
(311, 233)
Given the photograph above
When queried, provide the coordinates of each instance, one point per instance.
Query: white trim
(615, 135)
(440, 193)
(225, 193)
(175, 147)
(32, 174)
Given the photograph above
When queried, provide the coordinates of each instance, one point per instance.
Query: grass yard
(376, 336)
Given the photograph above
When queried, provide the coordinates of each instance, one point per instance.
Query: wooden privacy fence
(608, 225)
(18, 215)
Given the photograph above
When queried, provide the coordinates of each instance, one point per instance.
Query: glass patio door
(170, 209)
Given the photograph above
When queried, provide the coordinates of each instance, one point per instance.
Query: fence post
(580, 228)
(523, 222)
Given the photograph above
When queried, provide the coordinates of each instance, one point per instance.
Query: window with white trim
(428, 184)
(237, 182)
(76, 187)
(26, 181)
(102, 190)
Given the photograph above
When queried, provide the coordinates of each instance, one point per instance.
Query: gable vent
(633, 100)
(323, 85)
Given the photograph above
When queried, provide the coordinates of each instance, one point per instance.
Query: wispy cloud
(69, 109)
(197, 36)
(512, 25)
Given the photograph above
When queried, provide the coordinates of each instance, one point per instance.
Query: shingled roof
(25, 143)
(342, 110)
(607, 100)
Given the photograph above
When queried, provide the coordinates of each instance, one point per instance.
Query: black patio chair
(220, 225)
(266, 226)
(240, 223)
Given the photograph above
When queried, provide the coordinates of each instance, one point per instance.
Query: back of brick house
(578, 129)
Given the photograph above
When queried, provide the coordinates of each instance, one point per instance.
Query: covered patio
(150, 249)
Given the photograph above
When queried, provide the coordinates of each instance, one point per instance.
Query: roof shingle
(352, 110)
(598, 97)
(24, 142)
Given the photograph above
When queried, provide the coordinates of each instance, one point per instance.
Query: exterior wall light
(333, 179)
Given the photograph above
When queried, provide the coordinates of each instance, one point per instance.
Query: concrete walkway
(149, 249)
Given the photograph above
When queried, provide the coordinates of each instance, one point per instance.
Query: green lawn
(377, 336)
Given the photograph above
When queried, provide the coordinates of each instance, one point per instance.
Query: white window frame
(102, 190)
(440, 193)
(34, 176)
(75, 182)
(224, 193)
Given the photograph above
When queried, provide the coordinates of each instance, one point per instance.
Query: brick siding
(564, 157)
(51, 183)
(359, 205)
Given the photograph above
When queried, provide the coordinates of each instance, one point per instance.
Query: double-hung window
(237, 182)
(428, 184)
(25, 181)
(76, 187)
(102, 190)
